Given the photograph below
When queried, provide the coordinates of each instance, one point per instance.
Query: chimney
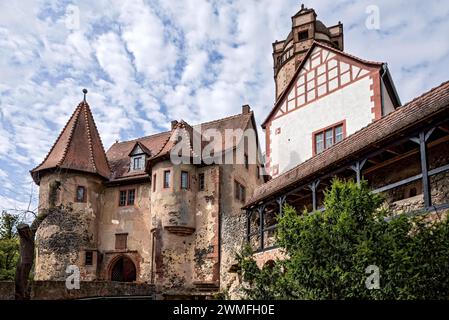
(246, 109)
(173, 124)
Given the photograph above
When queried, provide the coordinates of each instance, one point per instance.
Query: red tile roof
(118, 153)
(429, 105)
(78, 147)
(161, 144)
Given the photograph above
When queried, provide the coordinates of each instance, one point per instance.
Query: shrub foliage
(328, 252)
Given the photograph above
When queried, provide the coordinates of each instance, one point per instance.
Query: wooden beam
(444, 127)
(390, 150)
(405, 155)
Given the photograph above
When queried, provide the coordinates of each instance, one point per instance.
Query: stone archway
(122, 269)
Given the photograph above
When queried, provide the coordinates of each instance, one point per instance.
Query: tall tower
(70, 183)
(289, 53)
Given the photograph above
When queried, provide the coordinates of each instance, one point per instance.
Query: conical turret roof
(78, 147)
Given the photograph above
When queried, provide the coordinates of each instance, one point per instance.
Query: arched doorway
(123, 270)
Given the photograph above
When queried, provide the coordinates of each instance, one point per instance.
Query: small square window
(89, 258)
(201, 181)
(239, 191)
(338, 133)
(80, 194)
(319, 143)
(121, 241)
(131, 197)
(303, 35)
(122, 198)
(167, 179)
(328, 137)
(184, 180)
(138, 163)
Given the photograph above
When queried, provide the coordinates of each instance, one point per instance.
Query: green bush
(328, 253)
(9, 246)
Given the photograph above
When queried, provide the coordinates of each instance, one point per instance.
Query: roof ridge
(347, 54)
(225, 118)
(334, 147)
(59, 136)
(89, 136)
(425, 93)
(309, 51)
(90, 133)
(72, 129)
(169, 131)
(144, 137)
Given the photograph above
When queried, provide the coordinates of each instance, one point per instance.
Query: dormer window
(138, 163)
(138, 157)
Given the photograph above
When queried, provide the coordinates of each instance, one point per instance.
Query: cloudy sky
(148, 62)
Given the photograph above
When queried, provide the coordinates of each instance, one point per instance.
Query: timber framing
(411, 144)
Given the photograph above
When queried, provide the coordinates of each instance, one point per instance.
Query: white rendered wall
(387, 103)
(293, 144)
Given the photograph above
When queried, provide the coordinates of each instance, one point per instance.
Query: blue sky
(148, 62)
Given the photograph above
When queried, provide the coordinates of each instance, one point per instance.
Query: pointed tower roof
(78, 147)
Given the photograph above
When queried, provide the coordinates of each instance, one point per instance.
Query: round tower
(289, 53)
(71, 186)
(173, 204)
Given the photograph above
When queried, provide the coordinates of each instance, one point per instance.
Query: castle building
(337, 115)
(132, 215)
(322, 93)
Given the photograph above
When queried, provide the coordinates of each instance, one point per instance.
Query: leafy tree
(9, 245)
(328, 253)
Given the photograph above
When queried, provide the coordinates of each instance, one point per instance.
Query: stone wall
(133, 220)
(233, 221)
(7, 290)
(56, 290)
(69, 229)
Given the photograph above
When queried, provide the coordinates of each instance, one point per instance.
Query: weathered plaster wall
(233, 220)
(262, 258)
(56, 290)
(67, 231)
(186, 226)
(135, 220)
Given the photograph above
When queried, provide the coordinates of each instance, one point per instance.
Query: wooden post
(261, 210)
(280, 201)
(357, 167)
(421, 140)
(313, 186)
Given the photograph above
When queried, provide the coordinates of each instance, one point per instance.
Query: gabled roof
(78, 147)
(300, 67)
(160, 145)
(142, 147)
(429, 105)
(118, 153)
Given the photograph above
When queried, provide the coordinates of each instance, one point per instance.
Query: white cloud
(147, 62)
